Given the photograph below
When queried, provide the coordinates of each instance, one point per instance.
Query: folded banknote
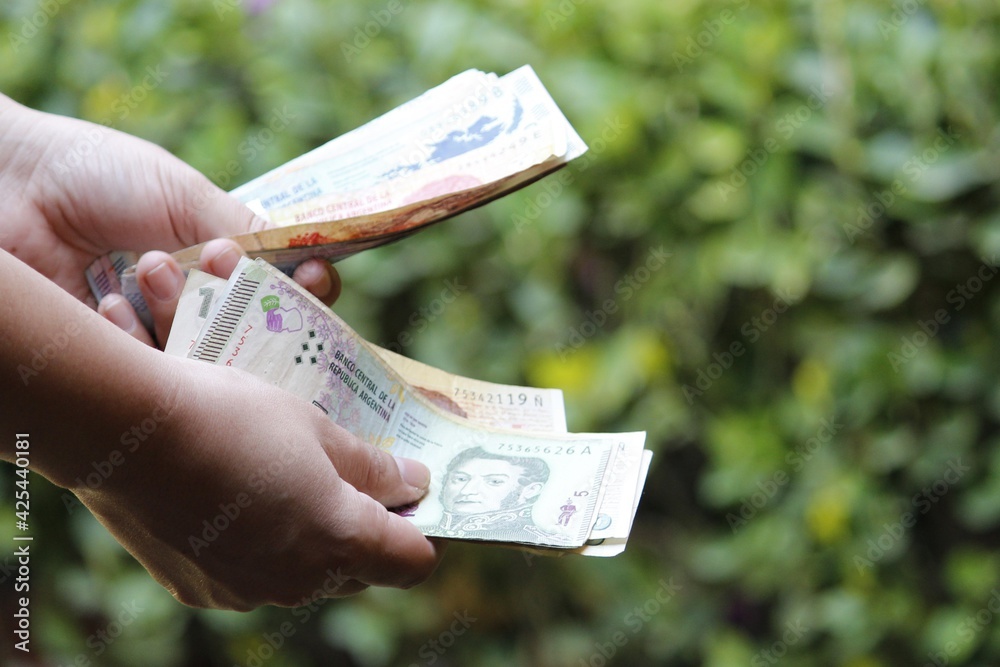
(466, 142)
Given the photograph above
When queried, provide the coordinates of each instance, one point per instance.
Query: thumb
(393, 551)
(392, 481)
(208, 212)
(129, 180)
(216, 213)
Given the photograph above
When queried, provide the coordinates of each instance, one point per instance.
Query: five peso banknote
(504, 470)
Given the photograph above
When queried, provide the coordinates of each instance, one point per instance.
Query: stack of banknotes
(504, 469)
(461, 144)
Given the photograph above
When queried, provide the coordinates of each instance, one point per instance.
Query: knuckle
(377, 463)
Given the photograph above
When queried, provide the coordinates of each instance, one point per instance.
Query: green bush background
(836, 161)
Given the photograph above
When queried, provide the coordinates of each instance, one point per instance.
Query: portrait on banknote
(487, 492)
(496, 493)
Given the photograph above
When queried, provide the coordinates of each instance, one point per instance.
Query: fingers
(160, 280)
(320, 278)
(392, 551)
(220, 257)
(116, 309)
(392, 481)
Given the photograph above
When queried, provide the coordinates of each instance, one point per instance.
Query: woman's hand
(76, 190)
(246, 495)
(231, 492)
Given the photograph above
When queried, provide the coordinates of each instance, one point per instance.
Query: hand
(311, 497)
(227, 509)
(161, 281)
(79, 190)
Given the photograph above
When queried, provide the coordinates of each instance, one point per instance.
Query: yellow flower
(826, 514)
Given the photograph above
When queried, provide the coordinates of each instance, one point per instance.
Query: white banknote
(459, 145)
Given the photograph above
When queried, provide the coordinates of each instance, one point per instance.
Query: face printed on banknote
(477, 481)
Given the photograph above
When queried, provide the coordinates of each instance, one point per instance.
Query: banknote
(462, 144)
(509, 129)
(499, 485)
(451, 98)
(475, 112)
(484, 403)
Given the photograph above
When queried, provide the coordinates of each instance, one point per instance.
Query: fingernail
(314, 276)
(413, 472)
(119, 312)
(163, 282)
(225, 262)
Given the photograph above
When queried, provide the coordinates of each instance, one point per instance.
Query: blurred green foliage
(814, 362)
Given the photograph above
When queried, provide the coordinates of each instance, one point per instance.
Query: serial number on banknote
(498, 399)
(543, 449)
